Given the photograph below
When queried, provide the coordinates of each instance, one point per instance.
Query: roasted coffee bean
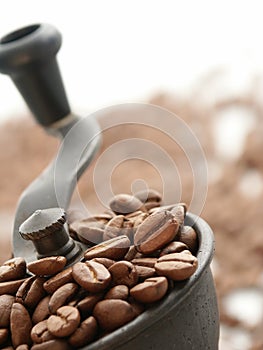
(13, 269)
(20, 325)
(179, 213)
(134, 215)
(173, 247)
(168, 208)
(151, 205)
(3, 335)
(156, 210)
(104, 217)
(42, 310)
(40, 333)
(31, 292)
(23, 347)
(184, 205)
(125, 203)
(145, 272)
(104, 261)
(6, 302)
(117, 226)
(86, 305)
(101, 219)
(140, 219)
(47, 266)
(10, 287)
(85, 333)
(89, 231)
(143, 261)
(110, 320)
(113, 227)
(188, 236)
(136, 218)
(149, 195)
(131, 254)
(91, 276)
(55, 344)
(65, 322)
(155, 232)
(124, 272)
(82, 293)
(176, 266)
(151, 290)
(118, 292)
(61, 296)
(63, 277)
(138, 308)
(114, 248)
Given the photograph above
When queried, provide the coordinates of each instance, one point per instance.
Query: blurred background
(202, 61)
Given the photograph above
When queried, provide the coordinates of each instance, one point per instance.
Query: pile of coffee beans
(136, 252)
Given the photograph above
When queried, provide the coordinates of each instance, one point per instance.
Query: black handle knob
(28, 56)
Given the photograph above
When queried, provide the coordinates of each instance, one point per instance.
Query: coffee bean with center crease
(114, 248)
(20, 325)
(47, 266)
(110, 320)
(40, 333)
(156, 231)
(13, 269)
(124, 272)
(151, 290)
(65, 322)
(31, 292)
(6, 302)
(61, 296)
(176, 266)
(116, 227)
(91, 276)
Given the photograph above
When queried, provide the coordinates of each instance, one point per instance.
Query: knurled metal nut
(42, 223)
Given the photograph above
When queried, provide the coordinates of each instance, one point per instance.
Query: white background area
(124, 51)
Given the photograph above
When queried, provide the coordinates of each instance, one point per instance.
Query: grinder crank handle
(28, 56)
